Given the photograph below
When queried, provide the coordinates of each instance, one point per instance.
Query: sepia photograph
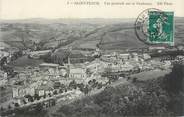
(91, 58)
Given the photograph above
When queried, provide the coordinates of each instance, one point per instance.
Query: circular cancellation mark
(149, 27)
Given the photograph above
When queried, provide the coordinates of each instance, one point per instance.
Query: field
(148, 75)
(24, 61)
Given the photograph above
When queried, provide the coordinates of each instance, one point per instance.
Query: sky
(24, 9)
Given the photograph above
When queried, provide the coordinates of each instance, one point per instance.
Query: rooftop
(49, 65)
(42, 51)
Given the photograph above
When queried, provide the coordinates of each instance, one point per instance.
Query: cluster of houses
(5, 57)
(3, 78)
(82, 73)
(41, 81)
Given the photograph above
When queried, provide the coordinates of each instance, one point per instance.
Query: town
(81, 73)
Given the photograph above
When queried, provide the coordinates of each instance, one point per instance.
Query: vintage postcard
(91, 58)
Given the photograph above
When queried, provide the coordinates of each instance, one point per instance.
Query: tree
(89, 82)
(174, 80)
(30, 98)
(49, 94)
(59, 56)
(8, 69)
(55, 92)
(99, 86)
(9, 106)
(60, 90)
(81, 87)
(73, 85)
(24, 101)
(37, 97)
(17, 105)
(86, 89)
(39, 107)
(88, 72)
(62, 86)
(3, 61)
(47, 57)
(44, 96)
(2, 109)
(94, 83)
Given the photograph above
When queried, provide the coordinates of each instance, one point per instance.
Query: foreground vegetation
(160, 97)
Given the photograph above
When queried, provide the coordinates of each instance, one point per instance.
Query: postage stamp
(161, 27)
(154, 26)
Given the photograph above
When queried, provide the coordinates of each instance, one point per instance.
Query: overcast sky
(23, 9)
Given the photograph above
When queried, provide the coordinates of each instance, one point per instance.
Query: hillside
(84, 33)
(162, 96)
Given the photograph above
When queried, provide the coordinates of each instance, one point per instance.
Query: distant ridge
(69, 20)
(79, 33)
(76, 20)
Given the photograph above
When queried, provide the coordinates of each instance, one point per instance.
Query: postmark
(154, 26)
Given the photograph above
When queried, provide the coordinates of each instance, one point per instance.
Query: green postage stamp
(161, 27)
